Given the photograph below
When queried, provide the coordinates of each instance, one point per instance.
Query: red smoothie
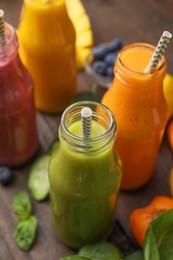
(18, 135)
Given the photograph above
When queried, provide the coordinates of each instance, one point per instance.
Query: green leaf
(150, 246)
(162, 227)
(21, 205)
(101, 251)
(25, 232)
(75, 257)
(158, 243)
(136, 256)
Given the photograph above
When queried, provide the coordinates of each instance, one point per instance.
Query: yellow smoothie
(47, 48)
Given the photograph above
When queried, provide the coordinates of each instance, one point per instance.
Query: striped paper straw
(86, 118)
(2, 29)
(160, 49)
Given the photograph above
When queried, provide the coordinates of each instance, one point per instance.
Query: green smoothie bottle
(85, 175)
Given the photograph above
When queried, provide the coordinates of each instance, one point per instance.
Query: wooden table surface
(131, 21)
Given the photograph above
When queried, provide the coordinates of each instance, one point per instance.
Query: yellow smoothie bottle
(47, 48)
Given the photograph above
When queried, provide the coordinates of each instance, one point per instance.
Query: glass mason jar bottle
(136, 99)
(47, 48)
(18, 133)
(84, 177)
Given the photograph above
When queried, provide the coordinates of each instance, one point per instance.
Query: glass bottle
(136, 99)
(84, 177)
(47, 48)
(18, 133)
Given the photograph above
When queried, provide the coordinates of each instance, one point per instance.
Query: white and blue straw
(86, 118)
(160, 49)
(2, 29)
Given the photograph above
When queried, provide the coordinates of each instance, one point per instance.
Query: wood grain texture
(130, 21)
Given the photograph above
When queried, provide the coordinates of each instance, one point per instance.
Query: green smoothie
(84, 188)
(97, 129)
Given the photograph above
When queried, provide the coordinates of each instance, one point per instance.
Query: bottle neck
(103, 128)
(38, 13)
(9, 51)
(44, 3)
(134, 76)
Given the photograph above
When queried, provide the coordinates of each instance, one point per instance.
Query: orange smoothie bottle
(47, 48)
(137, 102)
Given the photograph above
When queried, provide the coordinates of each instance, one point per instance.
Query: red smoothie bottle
(18, 133)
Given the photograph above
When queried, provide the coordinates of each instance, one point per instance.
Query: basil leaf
(136, 256)
(24, 234)
(162, 227)
(150, 246)
(101, 251)
(21, 205)
(75, 257)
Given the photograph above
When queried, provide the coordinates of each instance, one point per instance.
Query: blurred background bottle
(18, 133)
(47, 48)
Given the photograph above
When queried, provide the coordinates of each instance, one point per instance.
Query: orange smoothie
(137, 102)
(47, 48)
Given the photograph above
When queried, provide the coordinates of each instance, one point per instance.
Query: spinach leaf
(75, 257)
(24, 234)
(101, 251)
(150, 247)
(162, 228)
(21, 205)
(136, 256)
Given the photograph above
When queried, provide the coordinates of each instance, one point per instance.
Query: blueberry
(110, 72)
(99, 67)
(99, 52)
(110, 58)
(6, 176)
(114, 45)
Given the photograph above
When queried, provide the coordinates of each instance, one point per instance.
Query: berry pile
(105, 56)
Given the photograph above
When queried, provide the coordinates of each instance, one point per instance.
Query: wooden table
(130, 21)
